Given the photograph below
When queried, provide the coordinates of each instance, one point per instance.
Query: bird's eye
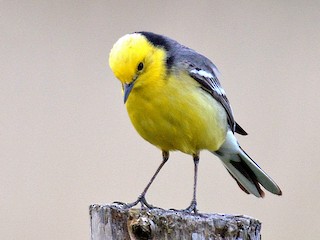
(140, 66)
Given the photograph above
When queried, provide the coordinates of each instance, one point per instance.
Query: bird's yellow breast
(176, 114)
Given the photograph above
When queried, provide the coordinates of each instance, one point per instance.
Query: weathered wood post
(111, 222)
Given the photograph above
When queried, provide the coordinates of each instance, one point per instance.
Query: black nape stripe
(156, 39)
(170, 61)
(160, 41)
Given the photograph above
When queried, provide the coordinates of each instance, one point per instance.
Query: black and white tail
(243, 169)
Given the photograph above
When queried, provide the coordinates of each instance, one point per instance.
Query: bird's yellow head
(135, 59)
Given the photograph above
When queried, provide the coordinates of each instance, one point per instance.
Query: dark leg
(141, 199)
(193, 205)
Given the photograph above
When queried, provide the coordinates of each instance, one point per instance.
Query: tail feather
(263, 178)
(244, 170)
(241, 186)
(244, 178)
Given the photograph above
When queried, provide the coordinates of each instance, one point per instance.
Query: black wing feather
(211, 84)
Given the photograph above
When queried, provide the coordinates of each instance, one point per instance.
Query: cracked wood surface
(110, 222)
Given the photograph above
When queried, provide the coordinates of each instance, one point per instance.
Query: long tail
(244, 170)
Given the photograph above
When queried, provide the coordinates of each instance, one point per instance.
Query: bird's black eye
(140, 66)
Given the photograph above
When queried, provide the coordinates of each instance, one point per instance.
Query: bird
(175, 101)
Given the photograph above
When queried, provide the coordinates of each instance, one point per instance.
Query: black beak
(127, 90)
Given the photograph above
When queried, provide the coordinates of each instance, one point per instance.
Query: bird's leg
(141, 199)
(193, 205)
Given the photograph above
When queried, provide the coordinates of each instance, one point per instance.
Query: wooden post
(111, 222)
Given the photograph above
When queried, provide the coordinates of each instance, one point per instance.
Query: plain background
(66, 141)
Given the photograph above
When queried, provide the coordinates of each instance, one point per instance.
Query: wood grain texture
(110, 222)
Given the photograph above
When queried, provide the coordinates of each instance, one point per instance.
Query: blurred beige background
(66, 141)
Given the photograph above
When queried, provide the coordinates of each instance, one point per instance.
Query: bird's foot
(191, 209)
(141, 199)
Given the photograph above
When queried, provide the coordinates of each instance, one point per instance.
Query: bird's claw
(191, 209)
(122, 204)
(141, 199)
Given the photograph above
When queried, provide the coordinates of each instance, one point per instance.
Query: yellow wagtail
(175, 101)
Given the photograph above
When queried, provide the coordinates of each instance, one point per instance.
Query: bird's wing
(209, 82)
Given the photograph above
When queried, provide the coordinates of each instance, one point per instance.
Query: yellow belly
(176, 114)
